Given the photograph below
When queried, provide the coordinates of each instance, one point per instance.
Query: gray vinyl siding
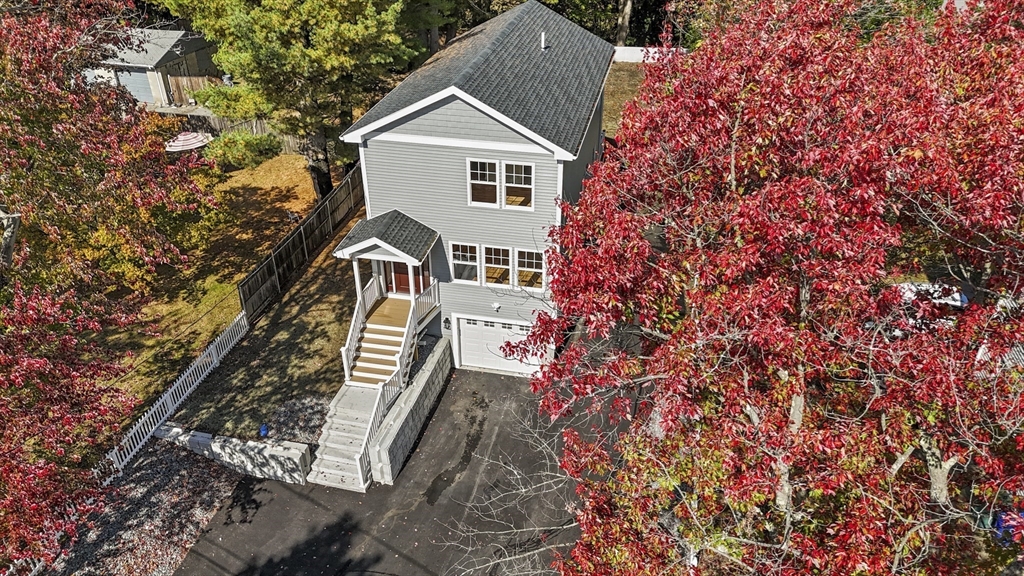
(453, 118)
(575, 172)
(429, 183)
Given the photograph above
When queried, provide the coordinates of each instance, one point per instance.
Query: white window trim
(533, 186)
(499, 197)
(543, 270)
(451, 263)
(511, 266)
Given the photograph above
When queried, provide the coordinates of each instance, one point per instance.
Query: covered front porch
(394, 304)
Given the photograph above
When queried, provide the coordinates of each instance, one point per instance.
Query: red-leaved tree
(99, 204)
(733, 265)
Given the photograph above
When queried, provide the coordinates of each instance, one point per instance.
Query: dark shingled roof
(500, 62)
(394, 229)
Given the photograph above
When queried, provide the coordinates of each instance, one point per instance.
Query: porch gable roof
(393, 231)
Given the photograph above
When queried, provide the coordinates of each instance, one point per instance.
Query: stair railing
(365, 300)
(388, 393)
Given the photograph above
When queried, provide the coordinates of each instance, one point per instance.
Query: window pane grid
(464, 262)
(497, 262)
(530, 268)
(483, 171)
(519, 185)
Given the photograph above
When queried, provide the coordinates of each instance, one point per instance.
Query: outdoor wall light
(447, 323)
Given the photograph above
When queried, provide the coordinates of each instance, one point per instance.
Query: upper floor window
(519, 185)
(514, 189)
(483, 182)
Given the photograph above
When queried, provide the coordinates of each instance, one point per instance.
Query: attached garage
(479, 343)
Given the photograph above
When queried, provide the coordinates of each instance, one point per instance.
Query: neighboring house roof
(150, 48)
(551, 92)
(392, 230)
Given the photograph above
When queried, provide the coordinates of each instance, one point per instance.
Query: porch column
(412, 282)
(355, 272)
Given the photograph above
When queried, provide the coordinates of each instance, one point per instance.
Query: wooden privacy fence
(257, 290)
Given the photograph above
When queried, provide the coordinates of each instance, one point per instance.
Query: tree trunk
(938, 470)
(314, 148)
(625, 9)
(433, 40)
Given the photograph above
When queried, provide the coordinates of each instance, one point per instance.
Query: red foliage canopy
(732, 265)
(86, 169)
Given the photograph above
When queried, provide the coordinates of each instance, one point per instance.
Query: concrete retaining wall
(271, 459)
(403, 423)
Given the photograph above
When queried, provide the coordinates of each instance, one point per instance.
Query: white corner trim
(561, 193)
(361, 135)
(457, 143)
(366, 184)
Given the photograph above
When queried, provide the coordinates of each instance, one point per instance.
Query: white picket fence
(118, 459)
(159, 412)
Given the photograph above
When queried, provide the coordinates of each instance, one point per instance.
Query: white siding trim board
(456, 143)
(366, 183)
(363, 133)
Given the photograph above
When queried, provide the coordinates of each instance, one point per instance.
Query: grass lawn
(291, 355)
(623, 83)
(191, 307)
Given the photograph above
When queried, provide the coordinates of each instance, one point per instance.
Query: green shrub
(242, 149)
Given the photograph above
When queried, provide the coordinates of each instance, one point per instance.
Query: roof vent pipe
(543, 44)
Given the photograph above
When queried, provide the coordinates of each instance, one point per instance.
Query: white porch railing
(364, 303)
(428, 300)
(387, 394)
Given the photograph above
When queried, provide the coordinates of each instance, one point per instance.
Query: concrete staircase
(341, 440)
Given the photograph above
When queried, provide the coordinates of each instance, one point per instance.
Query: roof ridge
(514, 15)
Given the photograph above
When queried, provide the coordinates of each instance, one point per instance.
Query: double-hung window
(483, 183)
(530, 269)
(498, 266)
(500, 184)
(465, 263)
(518, 185)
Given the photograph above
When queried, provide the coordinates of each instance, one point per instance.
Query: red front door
(397, 277)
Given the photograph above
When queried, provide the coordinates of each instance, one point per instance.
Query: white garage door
(480, 344)
(137, 83)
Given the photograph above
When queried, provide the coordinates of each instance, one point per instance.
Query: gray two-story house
(463, 165)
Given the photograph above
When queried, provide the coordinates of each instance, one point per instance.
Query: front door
(397, 276)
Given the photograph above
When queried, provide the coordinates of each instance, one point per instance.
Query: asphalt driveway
(271, 528)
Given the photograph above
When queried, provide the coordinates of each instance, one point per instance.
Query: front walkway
(271, 528)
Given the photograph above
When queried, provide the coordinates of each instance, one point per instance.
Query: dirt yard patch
(192, 306)
(291, 358)
(623, 83)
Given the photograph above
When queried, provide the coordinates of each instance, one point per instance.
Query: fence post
(273, 263)
(302, 234)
